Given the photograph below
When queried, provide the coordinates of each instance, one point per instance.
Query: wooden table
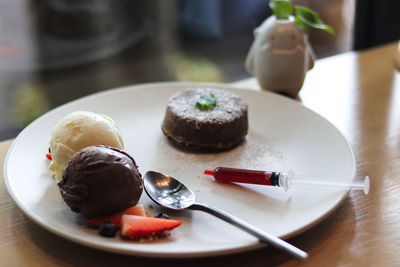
(360, 94)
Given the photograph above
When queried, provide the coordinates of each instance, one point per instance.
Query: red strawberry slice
(116, 218)
(137, 227)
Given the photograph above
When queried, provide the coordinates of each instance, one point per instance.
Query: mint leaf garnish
(206, 102)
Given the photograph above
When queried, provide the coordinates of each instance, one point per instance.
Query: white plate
(283, 134)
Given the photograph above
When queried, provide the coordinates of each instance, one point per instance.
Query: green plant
(304, 17)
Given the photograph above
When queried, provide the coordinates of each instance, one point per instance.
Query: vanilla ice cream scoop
(78, 130)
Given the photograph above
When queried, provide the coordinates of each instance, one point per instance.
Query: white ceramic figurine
(280, 56)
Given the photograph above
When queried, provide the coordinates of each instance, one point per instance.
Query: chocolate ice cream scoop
(101, 180)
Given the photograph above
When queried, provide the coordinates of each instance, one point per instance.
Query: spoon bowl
(170, 193)
(167, 191)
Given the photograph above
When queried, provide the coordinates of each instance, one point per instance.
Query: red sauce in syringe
(225, 174)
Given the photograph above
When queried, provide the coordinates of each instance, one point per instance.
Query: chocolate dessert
(206, 119)
(101, 180)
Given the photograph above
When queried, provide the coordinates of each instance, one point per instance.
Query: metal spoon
(170, 193)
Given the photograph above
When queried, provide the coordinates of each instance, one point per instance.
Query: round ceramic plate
(283, 135)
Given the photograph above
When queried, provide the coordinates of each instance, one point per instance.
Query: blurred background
(54, 51)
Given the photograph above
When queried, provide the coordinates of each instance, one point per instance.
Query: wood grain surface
(360, 94)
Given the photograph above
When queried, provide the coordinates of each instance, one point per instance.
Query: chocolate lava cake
(217, 128)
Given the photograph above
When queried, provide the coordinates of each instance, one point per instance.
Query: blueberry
(108, 229)
(162, 216)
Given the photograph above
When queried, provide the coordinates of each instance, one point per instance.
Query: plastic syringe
(282, 179)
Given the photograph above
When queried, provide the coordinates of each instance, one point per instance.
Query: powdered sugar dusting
(229, 105)
(256, 152)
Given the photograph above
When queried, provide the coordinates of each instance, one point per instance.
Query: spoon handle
(263, 236)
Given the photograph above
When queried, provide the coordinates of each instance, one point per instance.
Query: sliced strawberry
(135, 210)
(116, 218)
(137, 227)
